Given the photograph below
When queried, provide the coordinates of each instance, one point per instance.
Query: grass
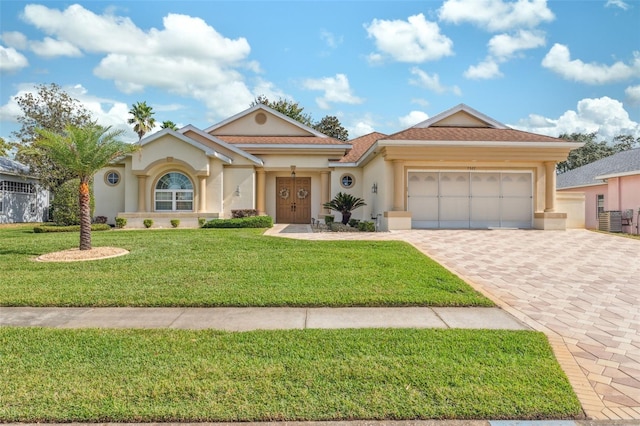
(224, 267)
(51, 375)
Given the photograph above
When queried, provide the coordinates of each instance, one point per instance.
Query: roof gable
(260, 120)
(461, 116)
(619, 164)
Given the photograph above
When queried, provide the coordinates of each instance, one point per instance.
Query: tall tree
(168, 124)
(331, 126)
(82, 151)
(289, 108)
(142, 118)
(5, 147)
(593, 150)
(50, 108)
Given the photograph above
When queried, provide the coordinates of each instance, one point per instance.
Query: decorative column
(261, 190)
(550, 186)
(398, 185)
(325, 191)
(202, 199)
(142, 193)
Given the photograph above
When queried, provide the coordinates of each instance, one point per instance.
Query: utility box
(610, 221)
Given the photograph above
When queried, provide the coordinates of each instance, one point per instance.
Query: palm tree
(344, 203)
(83, 151)
(142, 119)
(168, 124)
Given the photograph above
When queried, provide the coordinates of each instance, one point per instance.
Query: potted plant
(345, 204)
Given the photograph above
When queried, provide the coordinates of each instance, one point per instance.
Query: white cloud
(496, 15)
(617, 3)
(413, 118)
(633, 94)
(331, 39)
(485, 70)
(186, 57)
(11, 60)
(14, 39)
(604, 115)
(50, 48)
(431, 82)
(336, 90)
(504, 46)
(414, 40)
(559, 61)
(361, 127)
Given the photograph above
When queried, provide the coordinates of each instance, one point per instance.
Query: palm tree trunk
(85, 216)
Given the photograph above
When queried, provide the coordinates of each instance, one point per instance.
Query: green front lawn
(224, 267)
(53, 375)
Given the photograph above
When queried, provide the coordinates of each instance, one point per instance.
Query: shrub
(147, 223)
(100, 219)
(354, 223)
(367, 226)
(121, 222)
(42, 229)
(202, 221)
(238, 214)
(65, 203)
(174, 223)
(340, 227)
(246, 222)
(328, 219)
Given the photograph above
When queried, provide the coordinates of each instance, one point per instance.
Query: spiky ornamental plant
(83, 151)
(345, 204)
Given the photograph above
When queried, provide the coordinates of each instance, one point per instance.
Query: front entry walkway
(581, 288)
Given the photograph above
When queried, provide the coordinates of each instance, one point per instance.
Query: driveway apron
(581, 288)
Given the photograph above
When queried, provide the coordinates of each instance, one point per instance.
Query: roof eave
(510, 144)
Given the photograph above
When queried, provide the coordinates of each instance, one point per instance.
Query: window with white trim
(112, 178)
(347, 180)
(18, 187)
(174, 192)
(599, 205)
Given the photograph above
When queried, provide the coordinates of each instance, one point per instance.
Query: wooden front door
(293, 200)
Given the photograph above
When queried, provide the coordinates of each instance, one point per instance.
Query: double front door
(293, 200)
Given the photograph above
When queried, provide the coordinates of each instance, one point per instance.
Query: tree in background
(81, 152)
(331, 126)
(142, 118)
(52, 109)
(5, 147)
(168, 124)
(592, 150)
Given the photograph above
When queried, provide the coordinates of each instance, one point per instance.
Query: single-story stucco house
(458, 169)
(22, 199)
(611, 183)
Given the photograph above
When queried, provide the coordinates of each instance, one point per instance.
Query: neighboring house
(458, 169)
(611, 183)
(22, 199)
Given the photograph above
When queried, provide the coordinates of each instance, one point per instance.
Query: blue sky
(549, 67)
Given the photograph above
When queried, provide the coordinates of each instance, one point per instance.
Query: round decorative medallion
(284, 193)
(261, 118)
(302, 193)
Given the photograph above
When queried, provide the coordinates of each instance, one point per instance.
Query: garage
(470, 199)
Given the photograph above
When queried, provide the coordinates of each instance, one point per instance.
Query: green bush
(367, 226)
(69, 228)
(202, 221)
(147, 223)
(328, 219)
(100, 219)
(175, 223)
(354, 223)
(246, 222)
(121, 222)
(65, 203)
(340, 227)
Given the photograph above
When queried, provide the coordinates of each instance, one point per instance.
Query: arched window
(174, 192)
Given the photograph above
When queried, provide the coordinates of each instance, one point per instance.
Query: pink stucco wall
(620, 193)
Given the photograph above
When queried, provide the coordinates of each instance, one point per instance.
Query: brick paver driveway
(581, 288)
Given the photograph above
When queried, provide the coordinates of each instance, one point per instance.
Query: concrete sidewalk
(245, 319)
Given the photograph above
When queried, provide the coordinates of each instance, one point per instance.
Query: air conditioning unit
(610, 221)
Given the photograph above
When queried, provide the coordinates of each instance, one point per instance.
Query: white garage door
(471, 199)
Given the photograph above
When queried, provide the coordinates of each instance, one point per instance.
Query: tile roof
(360, 146)
(280, 140)
(12, 167)
(621, 162)
(480, 134)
